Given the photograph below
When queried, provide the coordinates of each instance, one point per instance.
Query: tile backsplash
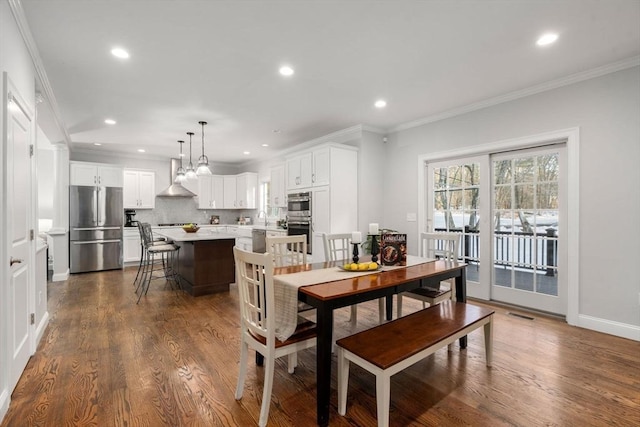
(179, 209)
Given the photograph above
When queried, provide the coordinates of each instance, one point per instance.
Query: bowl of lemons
(362, 266)
(190, 228)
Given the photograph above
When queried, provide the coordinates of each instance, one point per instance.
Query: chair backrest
(440, 245)
(254, 277)
(146, 234)
(287, 250)
(336, 246)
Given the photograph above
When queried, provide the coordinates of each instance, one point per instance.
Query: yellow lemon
(363, 266)
(347, 266)
(354, 266)
(373, 265)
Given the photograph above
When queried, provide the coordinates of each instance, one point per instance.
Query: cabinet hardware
(14, 261)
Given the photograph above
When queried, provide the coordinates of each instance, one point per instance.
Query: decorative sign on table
(393, 249)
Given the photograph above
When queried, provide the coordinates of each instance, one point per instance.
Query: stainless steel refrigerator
(95, 228)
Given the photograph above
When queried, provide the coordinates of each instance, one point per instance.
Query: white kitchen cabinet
(131, 249)
(230, 196)
(139, 189)
(240, 191)
(321, 220)
(246, 189)
(211, 192)
(83, 173)
(277, 195)
(299, 171)
(324, 165)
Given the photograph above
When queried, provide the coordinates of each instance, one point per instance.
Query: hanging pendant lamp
(203, 161)
(190, 172)
(180, 176)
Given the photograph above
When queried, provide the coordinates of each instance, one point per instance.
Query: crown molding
(553, 84)
(25, 32)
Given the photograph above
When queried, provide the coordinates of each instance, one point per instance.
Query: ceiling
(218, 61)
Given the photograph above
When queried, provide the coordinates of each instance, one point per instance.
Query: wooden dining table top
(365, 283)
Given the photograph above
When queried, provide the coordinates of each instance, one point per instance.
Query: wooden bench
(387, 349)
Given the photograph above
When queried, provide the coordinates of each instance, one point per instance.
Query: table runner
(286, 290)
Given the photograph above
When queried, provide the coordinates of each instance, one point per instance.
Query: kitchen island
(206, 263)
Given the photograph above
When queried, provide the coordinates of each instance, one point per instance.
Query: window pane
(471, 198)
(455, 199)
(502, 197)
(502, 172)
(471, 175)
(523, 169)
(547, 196)
(440, 178)
(523, 196)
(547, 167)
(455, 176)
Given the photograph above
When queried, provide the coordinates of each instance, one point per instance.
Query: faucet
(265, 217)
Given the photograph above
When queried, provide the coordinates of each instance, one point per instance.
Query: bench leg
(343, 381)
(383, 398)
(354, 316)
(488, 341)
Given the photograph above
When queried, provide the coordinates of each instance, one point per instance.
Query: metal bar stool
(156, 241)
(166, 264)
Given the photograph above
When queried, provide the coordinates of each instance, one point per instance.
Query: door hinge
(32, 234)
(31, 150)
(33, 318)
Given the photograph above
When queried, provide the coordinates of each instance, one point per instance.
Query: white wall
(607, 111)
(46, 176)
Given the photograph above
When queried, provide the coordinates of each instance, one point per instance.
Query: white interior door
(18, 167)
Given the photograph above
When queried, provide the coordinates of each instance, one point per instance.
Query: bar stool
(166, 264)
(156, 241)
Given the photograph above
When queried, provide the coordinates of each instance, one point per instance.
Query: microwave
(299, 204)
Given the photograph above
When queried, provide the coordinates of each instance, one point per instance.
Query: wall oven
(299, 216)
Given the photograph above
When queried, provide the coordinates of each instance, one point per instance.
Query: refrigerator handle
(98, 205)
(92, 242)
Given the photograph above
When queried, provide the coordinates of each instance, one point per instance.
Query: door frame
(572, 138)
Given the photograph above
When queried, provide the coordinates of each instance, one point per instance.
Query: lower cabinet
(131, 249)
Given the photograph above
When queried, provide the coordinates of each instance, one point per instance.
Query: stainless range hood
(175, 189)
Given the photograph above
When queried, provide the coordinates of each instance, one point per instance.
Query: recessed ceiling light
(141, 150)
(547, 39)
(265, 145)
(110, 121)
(246, 153)
(380, 103)
(276, 131)
(97, 143)
(118, 52)
(286, 70)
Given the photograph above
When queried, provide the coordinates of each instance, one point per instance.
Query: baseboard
(60, 277)
(610, 327)
(41, 327)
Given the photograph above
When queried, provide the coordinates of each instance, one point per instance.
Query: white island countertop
(179, 235)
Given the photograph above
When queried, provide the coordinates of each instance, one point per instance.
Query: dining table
(350, 288)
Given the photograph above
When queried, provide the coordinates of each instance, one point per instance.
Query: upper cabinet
(277, 192)
(210, 192)
(139, 190)
(320, 166)
(90, 174)
(246, 189)
(230, 196)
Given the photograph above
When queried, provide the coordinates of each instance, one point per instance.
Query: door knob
(14, 261)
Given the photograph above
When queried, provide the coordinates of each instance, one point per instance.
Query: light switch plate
(412, 217)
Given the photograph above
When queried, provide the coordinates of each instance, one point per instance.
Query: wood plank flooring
(172, 361)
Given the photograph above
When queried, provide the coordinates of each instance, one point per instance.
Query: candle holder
(374, 247)
(355, 252)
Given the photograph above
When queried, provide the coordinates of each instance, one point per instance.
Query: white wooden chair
(254, 276)
(439, 245)
(337, 247)
(287, 250)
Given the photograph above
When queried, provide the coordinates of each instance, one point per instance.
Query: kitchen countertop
(177, 234)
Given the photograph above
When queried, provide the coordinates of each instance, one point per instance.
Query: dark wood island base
(206, 266)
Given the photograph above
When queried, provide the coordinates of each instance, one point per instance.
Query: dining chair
(438, 245)
(337, 247)
(287, 250)
(166, 264)
(254, 277)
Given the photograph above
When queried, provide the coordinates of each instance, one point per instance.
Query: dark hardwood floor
(172, 360)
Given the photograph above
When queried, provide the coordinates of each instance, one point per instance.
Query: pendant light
(190, 172)
(180, 172)
(203, 161)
